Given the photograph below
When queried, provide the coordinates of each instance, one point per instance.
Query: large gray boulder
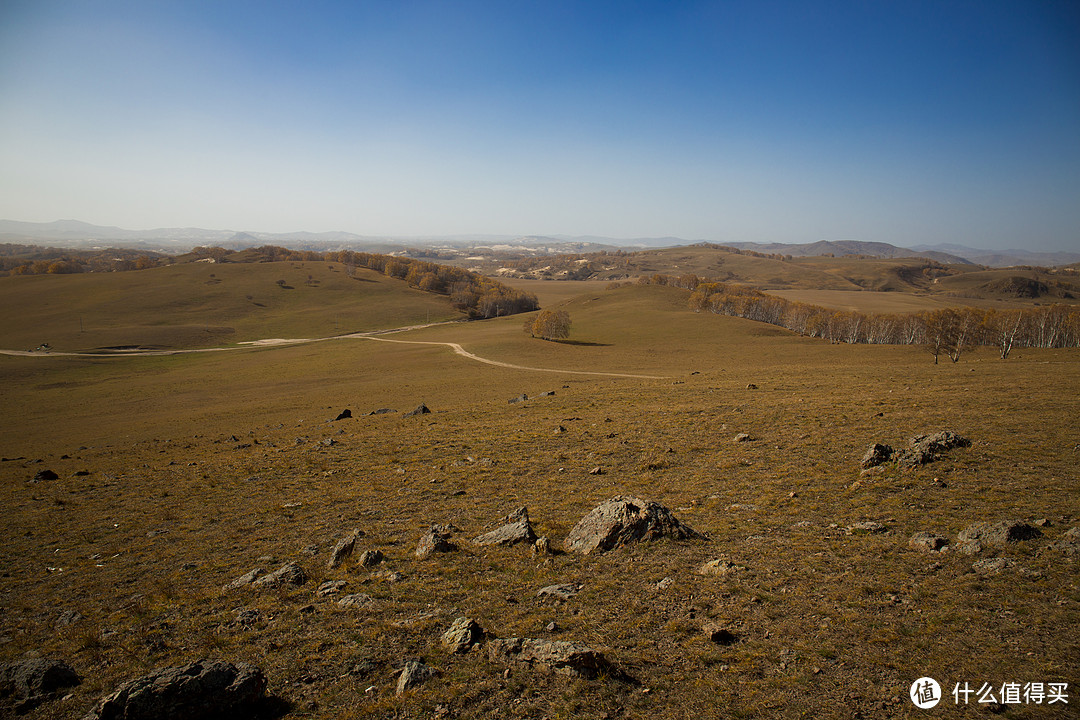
(557, 656)
(199, 691)
(517, 528)
(625, 519)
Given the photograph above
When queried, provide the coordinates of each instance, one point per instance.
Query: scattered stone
(390, 576)
(991, 566)
(1069, 542)
(248, 616)
(625, 519)
(665, 584)
(414, 674)
(557, 656)
(356, 600)
(382, 411)
(287, 574)
(552, 626)
(519, 399)
(32, 682)
(420, 410)
(517, 529)
(877, 454)
(560, 429)
(437, 539)
(597, 471)
(307, 610)
(868, 527)
(330, 587)
(928, 448)
(977, 536)
(199, 691)
(343, 415)
(743, 437)
(462, 635)
(927, 542)
(370, 558)
(44, 475)
(547, 393)
(245, 579)
(718, 634)
(67, 619)
(558, 593)
(719, 567)
(751, 386)
(343, 549)
(541, 546)
(1043, 522)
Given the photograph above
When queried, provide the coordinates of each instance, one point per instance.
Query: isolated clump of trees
(947, 331)
(549, 325)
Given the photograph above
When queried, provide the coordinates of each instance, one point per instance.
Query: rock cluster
(922, 449)
(623, 520)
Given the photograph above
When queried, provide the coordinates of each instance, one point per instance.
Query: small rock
(977, 536)
(597, 471)
(517, 529)
(542, 546)
(462, 635)
(991, 566)
(420, 410)
(343, 549)
(664, 584)
(519, 399)
(552, 626)
(868, 527)
(288, 574)
(356, 600)
(44, 475)
(877, 454)
(67, 618)
(743, 437)
(343, 415)
(434, 540)
(719, 567)
(245, 579)
(718, 634)
(559, 593)
(370, 558)
(247, 616)
(927, 542)
(330, 587)
(390, 576)
(414, 674)
(1069, 542)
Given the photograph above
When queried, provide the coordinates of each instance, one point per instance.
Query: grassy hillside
(178, 474)
(199, 305)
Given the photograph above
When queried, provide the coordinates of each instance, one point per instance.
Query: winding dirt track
(373, 335)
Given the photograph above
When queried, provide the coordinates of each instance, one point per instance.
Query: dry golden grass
(201, 467)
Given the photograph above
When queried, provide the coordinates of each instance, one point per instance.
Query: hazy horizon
(906, 123)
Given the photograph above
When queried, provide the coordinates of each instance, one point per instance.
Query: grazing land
(176, 475)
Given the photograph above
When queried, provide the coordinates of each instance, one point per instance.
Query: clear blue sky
(906, 122)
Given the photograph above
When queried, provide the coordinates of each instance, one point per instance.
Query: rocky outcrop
(31, 682)
(199, 691)
(623, 520)
(517, 529)
(287, 574)
(557, 656)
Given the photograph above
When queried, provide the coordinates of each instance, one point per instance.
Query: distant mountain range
(78, 234)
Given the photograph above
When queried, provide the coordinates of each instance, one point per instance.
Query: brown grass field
(177, 474)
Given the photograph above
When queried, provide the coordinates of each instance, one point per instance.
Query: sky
(908, 122)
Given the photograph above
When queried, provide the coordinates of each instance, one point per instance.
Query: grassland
(201, 467)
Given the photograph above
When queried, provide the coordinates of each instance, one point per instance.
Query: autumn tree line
(945, 332)
(472, 293)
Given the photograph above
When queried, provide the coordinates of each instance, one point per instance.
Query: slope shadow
(582, 342)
